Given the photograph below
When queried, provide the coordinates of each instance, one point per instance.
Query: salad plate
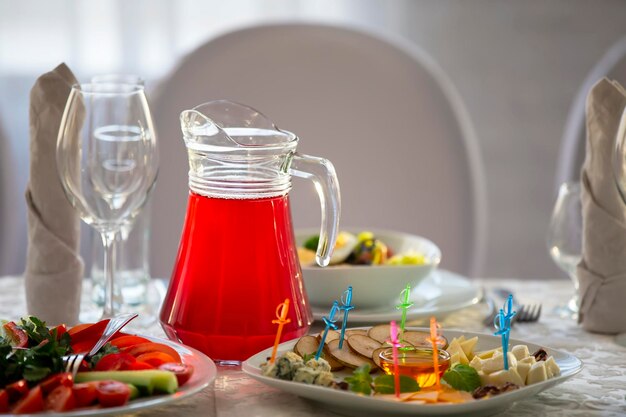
(204, 374)
(349, 403)
(440, 293)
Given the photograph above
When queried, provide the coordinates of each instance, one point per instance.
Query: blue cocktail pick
(502, 323)
(346, 301)
(330, 324)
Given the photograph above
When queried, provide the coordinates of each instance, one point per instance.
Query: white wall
(517, 65)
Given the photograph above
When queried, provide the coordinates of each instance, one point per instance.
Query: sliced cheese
(520, 351)
(496, 363)
(468, 346)
(488, 353)
(476, 363)
(528, 359)
(552, 369)
(522, 369)
(454, 359)
(455, 348)
(500, 378)
(537, 373)
(485, 379)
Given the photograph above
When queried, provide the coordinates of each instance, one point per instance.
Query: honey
(416, 363)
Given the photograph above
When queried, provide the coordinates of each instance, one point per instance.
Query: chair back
(379, 108)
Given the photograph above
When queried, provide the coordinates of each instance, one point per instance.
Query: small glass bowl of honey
(416, 363)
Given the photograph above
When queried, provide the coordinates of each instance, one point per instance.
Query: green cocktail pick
(404, 306)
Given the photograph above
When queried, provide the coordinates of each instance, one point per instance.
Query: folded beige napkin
(54, 269)
(602, 270)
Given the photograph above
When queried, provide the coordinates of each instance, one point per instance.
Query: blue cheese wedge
(291, 367)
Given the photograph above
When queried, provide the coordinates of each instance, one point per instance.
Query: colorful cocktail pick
(281, 319)
(395, 344)
(502, 323)
(434, 337)
(330, 324)
(404, 306)
(346, 301)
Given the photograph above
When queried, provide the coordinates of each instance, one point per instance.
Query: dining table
(598, 390)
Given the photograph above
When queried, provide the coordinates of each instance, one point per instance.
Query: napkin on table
(54, 269)
(602, 270)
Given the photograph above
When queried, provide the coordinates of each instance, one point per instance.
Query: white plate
(440, 293)
(203, 375)
(349, 403)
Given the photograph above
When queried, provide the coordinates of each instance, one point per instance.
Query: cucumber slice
(134, 391)
(146, 382)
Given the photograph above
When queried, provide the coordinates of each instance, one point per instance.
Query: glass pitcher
(237, 258)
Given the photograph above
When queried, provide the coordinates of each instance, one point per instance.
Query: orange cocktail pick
(434, 336)
(281, 319)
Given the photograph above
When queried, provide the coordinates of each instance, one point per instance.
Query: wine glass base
(566, 311)
(148, 311)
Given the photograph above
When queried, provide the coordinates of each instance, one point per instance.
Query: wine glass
(107, 161)
(565, 239)
(131, 244)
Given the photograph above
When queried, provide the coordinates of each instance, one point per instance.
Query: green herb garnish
(43, 357)
(104, 350)
(462, 377)
(385, 384)
(312, 242)
(361, 380)
(308, 356)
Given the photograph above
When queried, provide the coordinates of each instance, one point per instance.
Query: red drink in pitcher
(237, 259)
(236, 262)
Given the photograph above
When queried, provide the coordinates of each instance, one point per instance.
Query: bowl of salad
(378, 264)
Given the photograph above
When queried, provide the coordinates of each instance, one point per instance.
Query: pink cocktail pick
(395, 344)
(281, 319)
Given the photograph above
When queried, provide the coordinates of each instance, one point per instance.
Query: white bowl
(373, 286)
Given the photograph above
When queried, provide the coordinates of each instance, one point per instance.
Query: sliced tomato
(85, 394)
(61, 399)
(79, 327)
(112, 393)
(127, 341)
(30, 403)
(83, 347)
(155, 359)
(152, 347)
(115, 362)
(87, 333)
(17, 390)
(17, 337)
(182, 371)
(53, 381)
(140, 366)
(61, 329)
(4, 401)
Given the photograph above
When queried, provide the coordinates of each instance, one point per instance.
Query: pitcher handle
(322, 172)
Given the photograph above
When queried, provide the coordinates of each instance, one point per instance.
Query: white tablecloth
(600, 389)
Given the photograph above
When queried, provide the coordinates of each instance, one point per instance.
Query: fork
(501, 294)
(115, 324)
(528, 313)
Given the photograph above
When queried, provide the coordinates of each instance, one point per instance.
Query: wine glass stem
(108, 241)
